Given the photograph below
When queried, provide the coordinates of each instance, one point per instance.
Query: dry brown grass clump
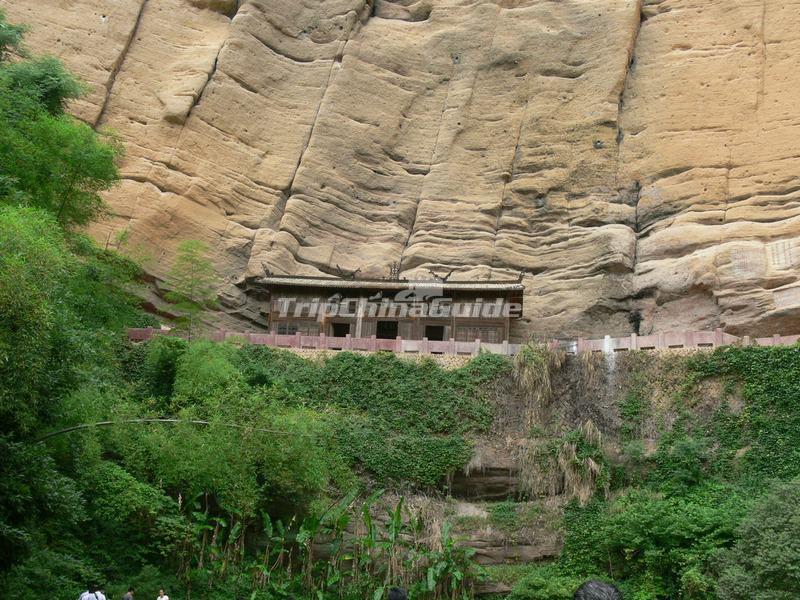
(572, 467)
(580, 475)
(592, 367)
(533, 370)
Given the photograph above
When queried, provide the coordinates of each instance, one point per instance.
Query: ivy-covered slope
(700, 453)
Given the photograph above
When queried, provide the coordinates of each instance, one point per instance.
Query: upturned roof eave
(387, 284)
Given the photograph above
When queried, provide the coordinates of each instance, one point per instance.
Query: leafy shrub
(10, 37)
(103, 288)
(34, 496)
(546, 583)
(504, 515)
(763, 562)
(50, 160)
(118, 498)
(161, 365)
(204, 370)
(679, 462)
(405, 421)
(49, 574)
(35, 268)
(57, 329)
(670, 540)
(662, 545)
(768, 427)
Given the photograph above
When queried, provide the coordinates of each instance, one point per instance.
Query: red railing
(678, 339)
(608, 344)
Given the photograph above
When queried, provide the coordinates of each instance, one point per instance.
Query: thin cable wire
(168, 421)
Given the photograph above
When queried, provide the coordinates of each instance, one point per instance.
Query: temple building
(436, 310)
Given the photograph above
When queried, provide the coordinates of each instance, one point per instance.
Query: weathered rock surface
(492, 474)
(534, 536)
(627, 154)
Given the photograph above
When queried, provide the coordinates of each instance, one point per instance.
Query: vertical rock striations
(628, 155)
(711, 138)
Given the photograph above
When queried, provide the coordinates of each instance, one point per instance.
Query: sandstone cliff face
(627, 155)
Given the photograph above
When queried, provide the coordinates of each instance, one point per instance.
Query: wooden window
(406, 330)
(434, 333)
(367, 328)
(293, 327)
(484, 333)
(284, 328)
(340, 329)
(387, 330)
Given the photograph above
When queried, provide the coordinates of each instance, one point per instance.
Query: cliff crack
(728, 169)
(413, 222)
(763, 40)
(117, 66)
(335, 64)
(282, 53)
(510, 177)
(199, 97)
(630, 66)
(314, 121)
(445, 105)
(140, 179)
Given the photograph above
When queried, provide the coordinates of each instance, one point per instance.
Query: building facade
(437, 310)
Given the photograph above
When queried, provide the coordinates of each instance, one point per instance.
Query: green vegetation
(691, 519)
(194, 283)
(182, 501)
(288, 450)
(405, 421)
(507, 516)
(504, 515)
(633, 409)
(546, 582)
(10, 38)
(266, 485)
(763, 562)
(48, 159)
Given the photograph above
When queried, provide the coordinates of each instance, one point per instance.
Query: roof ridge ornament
(394, 271)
